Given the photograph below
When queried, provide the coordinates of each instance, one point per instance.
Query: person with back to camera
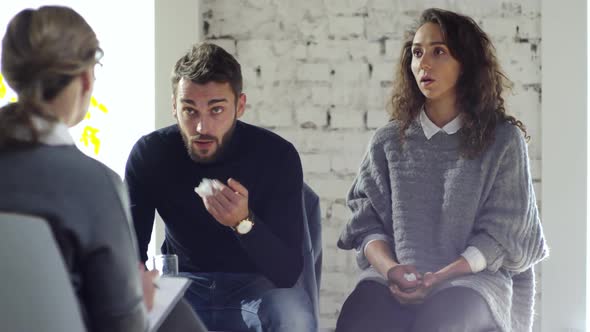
(48, 59)
(444, 216)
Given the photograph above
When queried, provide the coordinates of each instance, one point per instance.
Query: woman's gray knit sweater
(430, 204)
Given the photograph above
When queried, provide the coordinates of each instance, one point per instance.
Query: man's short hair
(205, 63)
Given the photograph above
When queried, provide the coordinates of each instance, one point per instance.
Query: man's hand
(228, 204)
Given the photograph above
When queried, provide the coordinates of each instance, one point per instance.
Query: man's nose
(202, 126)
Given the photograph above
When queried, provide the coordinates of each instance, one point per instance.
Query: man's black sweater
(161, 176)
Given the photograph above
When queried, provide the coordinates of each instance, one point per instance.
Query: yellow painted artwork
(2, 88)
(92, 122)
(89, 136)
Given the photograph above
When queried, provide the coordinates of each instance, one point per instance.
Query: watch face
(244, 226)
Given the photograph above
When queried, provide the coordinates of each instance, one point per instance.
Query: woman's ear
(87, 79)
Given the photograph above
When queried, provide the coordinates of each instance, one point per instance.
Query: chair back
(35, 289)
(312, 248)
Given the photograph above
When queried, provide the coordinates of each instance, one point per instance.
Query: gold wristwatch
(245, 226)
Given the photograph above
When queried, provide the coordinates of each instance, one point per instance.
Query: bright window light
(122, 106)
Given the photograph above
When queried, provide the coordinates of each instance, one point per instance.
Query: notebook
(170, 291)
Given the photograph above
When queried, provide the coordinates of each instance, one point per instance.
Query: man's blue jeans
(248, 302)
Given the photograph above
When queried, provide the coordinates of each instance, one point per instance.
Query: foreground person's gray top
(86, 206)
(430, 204)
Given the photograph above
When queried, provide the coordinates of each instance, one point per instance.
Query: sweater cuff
(490, 249)
(475, 259)
(361, 257)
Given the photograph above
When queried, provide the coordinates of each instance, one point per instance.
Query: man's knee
(287, 309)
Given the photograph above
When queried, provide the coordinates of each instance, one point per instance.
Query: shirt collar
(54, 133)
(430, 128)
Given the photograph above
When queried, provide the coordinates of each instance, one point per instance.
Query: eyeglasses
(98, 54)
(98, 66)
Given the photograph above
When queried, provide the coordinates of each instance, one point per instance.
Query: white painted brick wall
(343, 117)
(319, 73)
(383, 71)
(321, 95)
(315, 163)
(342, 95)
(376, 118)
(347, 26)
(351, 73)
(312, 117)
(346, 7)
(345, 164)
(378, 95)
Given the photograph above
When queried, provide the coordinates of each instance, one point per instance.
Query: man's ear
(241, 107)
(174, 106)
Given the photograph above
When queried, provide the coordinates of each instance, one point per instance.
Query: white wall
(564, 174)
(177, 27)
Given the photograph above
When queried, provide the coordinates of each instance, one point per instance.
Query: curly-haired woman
(444, 216)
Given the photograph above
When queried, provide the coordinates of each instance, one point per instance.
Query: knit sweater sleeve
(523, 300)
(507, 229)
(369, 200)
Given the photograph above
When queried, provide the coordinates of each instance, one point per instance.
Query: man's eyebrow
(215, 101)
(187, 101)
(210, 102)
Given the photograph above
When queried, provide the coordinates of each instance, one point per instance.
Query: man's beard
(222, 145)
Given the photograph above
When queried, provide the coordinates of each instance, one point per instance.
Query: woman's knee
(457, 309)
(371, 307)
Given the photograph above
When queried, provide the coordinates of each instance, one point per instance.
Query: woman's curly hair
(479, 87)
